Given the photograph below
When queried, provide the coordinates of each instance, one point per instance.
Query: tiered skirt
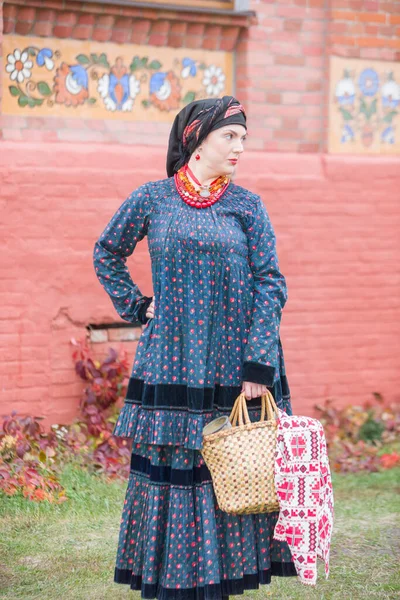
(174, 541)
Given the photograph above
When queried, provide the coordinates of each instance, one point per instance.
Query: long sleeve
(261, 359)
(126, 228)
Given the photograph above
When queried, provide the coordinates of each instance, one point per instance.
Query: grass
(68, 551)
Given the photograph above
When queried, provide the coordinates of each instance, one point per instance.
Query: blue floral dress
(218, 298)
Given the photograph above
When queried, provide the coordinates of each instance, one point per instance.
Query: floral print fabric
(174, 540)
(218, 297)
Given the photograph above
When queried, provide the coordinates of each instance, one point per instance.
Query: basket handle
(240, 413)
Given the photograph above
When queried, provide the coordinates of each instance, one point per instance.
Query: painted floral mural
(365, 106)
(55, 79)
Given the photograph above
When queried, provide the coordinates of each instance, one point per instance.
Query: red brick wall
(283, 63)
(337, 224)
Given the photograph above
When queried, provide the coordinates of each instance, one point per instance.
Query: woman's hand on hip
(253, 390)
(150, 310)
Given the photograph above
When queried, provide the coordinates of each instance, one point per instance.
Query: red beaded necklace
(206, 195)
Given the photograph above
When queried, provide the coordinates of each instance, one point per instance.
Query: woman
(211, 331)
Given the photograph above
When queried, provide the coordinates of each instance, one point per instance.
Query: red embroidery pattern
(304, 488)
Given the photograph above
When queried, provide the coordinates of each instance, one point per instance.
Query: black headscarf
(193, 124)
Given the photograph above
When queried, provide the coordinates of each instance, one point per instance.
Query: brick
(371, 5)
(393, 43)
(120, 36)
(44, 14)
(357, 29)
(143, 26)
(291, 98)
(178, 28)
(371, 17)
(66, 18)
(26, 14)
(9, 11)
(43, 28)
(313, 51)
(292, 25)
(387, 30)
(82, 32)
(86, 19)
(340, 15)
(160, 28)
(101, 34)
(291, 12)
(335, 27)
(371, 29)
(8, 26)
(63, 31)
(366, 42)
(394, 19)
(211, 43)
(23, 27)
(289, 60)
(175, 41)
(389, 7)
(123, 24)
(214, 31)
(273, 98)
(105, 20)
(343, 40)
(226, 44)
(158, 39)
(195, 29)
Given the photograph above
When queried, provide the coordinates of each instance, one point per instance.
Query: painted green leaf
(146, 103)
(14, 90)
(347, 116)
(94, 58)
(83, 59)
(145, 60)
(203, 66)
(368, 111)
(155, 64)
(92, 100)
(23, 101)
(135, 64)
(390, 116)
(103, 60)
(189, 97)
(44, 88)
(31, 51)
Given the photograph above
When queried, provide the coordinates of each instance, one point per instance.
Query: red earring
(197, 157)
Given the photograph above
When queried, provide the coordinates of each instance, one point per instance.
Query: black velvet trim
(141, 313)
(208, 592)
(160, 474)
(174, 396)
(258, 373)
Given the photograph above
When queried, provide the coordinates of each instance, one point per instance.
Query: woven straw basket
(241, 459)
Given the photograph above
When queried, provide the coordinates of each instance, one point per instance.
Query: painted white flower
(214, 80)
(391, 93)
(134, 87)
(345, 91)
(19, 66)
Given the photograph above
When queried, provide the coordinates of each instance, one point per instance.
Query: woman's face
(222, 148)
